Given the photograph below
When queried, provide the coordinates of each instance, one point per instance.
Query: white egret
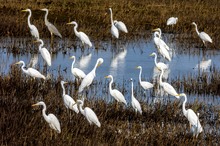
(162, 43)
(161, 49)
(195, 129)
(51, 119)
(115, 93)
(144, 84)
(68, 101)
(78, 73)
(50, 26)
(191, 116)
(33, 29)
(87, 80)
(31, 71)
(81, 35)
(172, 21)
(203, 36)
(134, 102)
(159, 65)
(120, 26)
(44, 52)
(167, 87)
(88, 113)
(114, 30)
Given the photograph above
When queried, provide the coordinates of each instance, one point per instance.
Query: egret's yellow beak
(17, 63)
(106, 76)
(24, 10)
(156, 29)
(137, 67)
(69, 23)
(71, 57)
(34, 105)
(151, 54)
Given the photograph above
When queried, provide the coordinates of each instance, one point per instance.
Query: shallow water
(120, 60)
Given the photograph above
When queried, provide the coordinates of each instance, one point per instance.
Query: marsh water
(120, 60)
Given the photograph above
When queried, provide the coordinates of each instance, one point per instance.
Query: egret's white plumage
(159, 65)
(162, 43)
(68, 101)
(114, 30)
(120, 26)
(134, 102)
(144, 84)
(191, 116)
(88, 113)
(51, 119)
(161, 49)
(33, 29)
(87, 80)
(81, 35)
(50, 26)
(114, 92)
(31, 71)
(172, 21)
(44, 52)
(203, 36)
(167, 87)
(78, 73)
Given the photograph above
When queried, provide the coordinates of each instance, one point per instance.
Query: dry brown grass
(160, 124)
(93, 17)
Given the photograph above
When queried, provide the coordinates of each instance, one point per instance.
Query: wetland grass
(94, 19)
(160, 124)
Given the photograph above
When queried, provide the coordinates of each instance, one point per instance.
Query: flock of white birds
(87, 79)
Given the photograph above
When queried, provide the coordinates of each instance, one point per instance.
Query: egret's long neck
(72, 64)
(44, 112)
(140, 75)
(41, 45)
(132, 93)
(22, 67)
(196, 29)
(161, 75)
(75, 29)
(63, 89)
(81, 110)
(110, 85)
(94, 69)
(155, 59)
(184, 104)
(29, 17)
(45, 17)
(111, 17)
(160, 33)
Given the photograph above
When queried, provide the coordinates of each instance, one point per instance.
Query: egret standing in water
(144, 84)
(81, 35)
(172, 21)
(50, 26)
(33, 29)
(88, 113)
(134, 102)
(120, 26)
(44, 52)
(68, 101)
(203, 36)
(114, 30)
(114, 92)
(159, 65)
(78, 73)
(87, 80)
(31, 71)
(167, 87)
(192, 117)
(51, 119)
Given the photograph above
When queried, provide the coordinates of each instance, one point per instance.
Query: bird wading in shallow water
(134, 102)
(81, 35)
(172, 21)
(114, 92)
(120, 26)
(203, 36)
(88, 113)
(114, 30)
(87, 80)
(79, 74)
(159, 65)
(51, 119)
(31, 71)
(33, 29)
(144, 84)
(192, 117)
(44, 52)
